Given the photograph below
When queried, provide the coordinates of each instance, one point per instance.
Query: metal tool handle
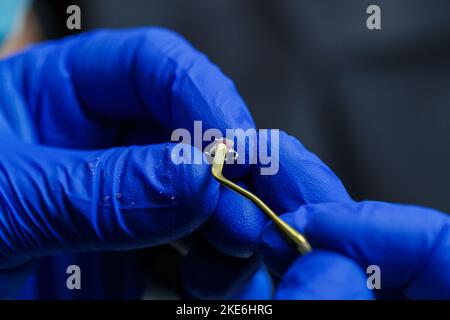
(293, 235)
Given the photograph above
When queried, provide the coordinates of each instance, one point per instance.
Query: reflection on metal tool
(219, 154)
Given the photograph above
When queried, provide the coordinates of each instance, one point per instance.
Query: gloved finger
(301, 178)
(235, 225)
(106, 77)
(210, 274)
(63, 200)
(409, 244)
(324, 275)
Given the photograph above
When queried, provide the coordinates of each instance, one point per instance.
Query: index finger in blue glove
(410, 244)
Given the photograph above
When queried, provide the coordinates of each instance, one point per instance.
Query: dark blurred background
(373, 104)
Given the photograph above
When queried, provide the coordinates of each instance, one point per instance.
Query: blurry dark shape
(53, 16)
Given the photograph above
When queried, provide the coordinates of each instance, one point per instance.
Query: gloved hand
(410, 245)
(407, 243)
(69, 181)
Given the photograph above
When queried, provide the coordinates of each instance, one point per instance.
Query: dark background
(374, 105)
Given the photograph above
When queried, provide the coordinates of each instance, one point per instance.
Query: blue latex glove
(91, 93)
(411, 246)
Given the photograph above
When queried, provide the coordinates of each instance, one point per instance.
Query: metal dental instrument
(219, 152)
